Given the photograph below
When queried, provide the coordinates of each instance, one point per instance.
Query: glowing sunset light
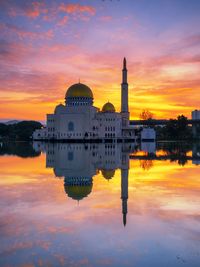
(179, 71)
(46, 46)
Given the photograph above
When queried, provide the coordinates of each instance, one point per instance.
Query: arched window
(70, 126)
(70, 156)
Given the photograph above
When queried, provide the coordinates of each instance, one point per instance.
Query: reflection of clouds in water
(40, 225)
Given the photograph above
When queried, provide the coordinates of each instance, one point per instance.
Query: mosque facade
(79, 119)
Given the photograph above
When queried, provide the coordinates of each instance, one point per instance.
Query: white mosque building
(79, 120)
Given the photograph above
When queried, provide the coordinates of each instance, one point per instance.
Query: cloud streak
(77, 8)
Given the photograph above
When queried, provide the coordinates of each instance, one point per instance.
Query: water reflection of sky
(41, 226)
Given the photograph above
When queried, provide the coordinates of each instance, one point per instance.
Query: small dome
(108, 174)
(108, 107)
(78, 192)
(59, 108)
(79, 90)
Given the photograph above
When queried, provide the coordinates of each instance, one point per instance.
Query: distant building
(78, 119)
(148, 134)
(196, 126)
(196, 114)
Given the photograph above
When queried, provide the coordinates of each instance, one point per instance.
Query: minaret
(124, 96)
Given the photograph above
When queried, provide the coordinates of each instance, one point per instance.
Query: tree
(182, 123)
(175, 129)
(19, 131)
(146, 115)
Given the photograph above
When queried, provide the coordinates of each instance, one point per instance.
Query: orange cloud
(10, 30)
(77, 8)
(31, 10)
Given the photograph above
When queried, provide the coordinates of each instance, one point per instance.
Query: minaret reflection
(124, 193)
(124, 181)
(78, 163)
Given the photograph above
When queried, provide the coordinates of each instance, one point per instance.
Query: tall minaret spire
(124, 96)
(124, 63)
(124, 72)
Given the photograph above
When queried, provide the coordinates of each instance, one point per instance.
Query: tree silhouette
(146, 115)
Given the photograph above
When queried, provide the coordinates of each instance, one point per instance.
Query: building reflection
(78, 163)
(196, 153)
(148, 147)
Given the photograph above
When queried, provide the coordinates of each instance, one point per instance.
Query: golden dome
(108, 107)
(108, 174)
(79, 90)
(78, 192)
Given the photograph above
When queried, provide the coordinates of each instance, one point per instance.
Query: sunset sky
(45, 46)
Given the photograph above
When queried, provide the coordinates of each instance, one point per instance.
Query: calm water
(99, 205)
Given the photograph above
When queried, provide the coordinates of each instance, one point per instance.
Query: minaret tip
(124, 63)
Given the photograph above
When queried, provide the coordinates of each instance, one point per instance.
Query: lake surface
(99, 205)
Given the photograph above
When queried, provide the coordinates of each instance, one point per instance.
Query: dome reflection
(79, 163)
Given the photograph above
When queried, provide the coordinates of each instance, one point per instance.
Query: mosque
(79, 120)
